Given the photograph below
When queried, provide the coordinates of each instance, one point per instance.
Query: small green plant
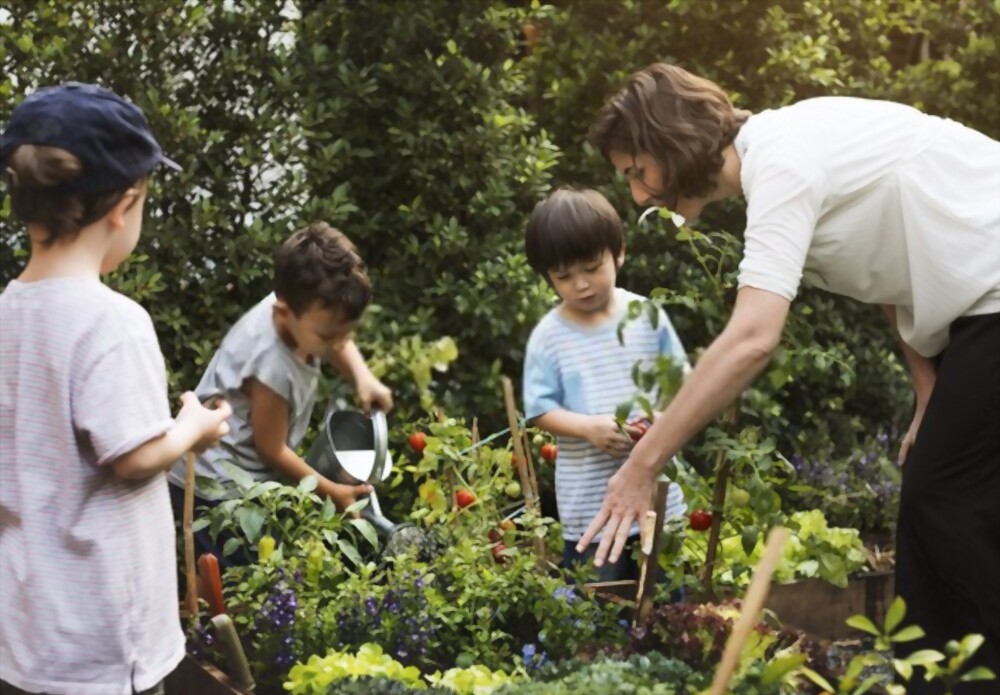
(950, 673)
(474, 680)
(316, 675)
(290, 515)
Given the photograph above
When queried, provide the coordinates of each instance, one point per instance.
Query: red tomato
(418, 440)
(498, 555)
(464, 498)
(642, 426)
(549, 452)
(700, 520)
(494, 536)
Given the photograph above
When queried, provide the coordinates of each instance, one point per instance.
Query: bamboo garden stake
(753, 604)
(191, 599)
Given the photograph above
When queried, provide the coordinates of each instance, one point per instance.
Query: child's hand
(604, 433)
(372, 392)
(207, 424)
(345, 495)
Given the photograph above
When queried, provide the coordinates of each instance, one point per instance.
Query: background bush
(428, 129)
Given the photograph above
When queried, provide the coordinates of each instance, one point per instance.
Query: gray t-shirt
(252, 349)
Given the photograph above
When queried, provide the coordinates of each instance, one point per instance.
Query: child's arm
(196, 427)
(600, 430)
(349, 361)
(269, 421)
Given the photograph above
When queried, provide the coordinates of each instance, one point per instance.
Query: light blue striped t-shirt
(586, 370)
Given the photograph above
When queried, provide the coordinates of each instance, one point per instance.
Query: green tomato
(513, 489)
(538, 440)
(739, 497)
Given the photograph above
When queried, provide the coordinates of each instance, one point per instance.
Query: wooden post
(527, 487)
(191, 599)
(651, 544)
(531, 467)
(530, 498)
(723, 468)
(753, 604)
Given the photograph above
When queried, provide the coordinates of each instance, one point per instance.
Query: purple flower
(532, 658)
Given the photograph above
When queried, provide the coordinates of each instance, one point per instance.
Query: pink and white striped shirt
(88, 583)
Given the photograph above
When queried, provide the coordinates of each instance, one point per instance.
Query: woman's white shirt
(876, 201)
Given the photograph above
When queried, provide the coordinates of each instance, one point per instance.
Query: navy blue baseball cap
(109, 135)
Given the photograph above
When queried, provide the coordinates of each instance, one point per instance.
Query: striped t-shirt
(586, 370)
(88, 573)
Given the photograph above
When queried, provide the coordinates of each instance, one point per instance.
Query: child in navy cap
(87, 550)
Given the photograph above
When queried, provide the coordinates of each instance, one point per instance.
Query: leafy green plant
(316, 675)
(289, 515)
(474, 680)
(949, 668)
(814, 550)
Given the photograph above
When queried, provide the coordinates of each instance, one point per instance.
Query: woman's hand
(910, 438)
(626, 501)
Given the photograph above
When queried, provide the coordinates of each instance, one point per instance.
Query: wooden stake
(651, 551)
(531, 465)
(723, 467)
(529, 490)
(753, 604)
(530, 497)
(189, 566)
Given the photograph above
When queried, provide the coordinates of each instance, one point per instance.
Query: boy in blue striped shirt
(576, 371)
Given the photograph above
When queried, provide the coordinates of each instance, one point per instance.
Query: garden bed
(821, 609)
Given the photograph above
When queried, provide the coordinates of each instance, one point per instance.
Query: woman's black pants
(948, 539)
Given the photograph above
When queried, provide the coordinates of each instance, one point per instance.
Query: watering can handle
(380, 430)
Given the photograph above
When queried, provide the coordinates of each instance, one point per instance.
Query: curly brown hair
(682, 121)
(319, 264)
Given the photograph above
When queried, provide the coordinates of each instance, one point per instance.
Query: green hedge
(421, 130)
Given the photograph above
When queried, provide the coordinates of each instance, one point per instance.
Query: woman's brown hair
(34, 173)
(682, 121)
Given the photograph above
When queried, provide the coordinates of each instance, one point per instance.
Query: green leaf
(867, 684)
(251, 522)
(979, 673)
(357, 506)
(350, 552)
(777, 669)
(308, 484)
(231, 546)
(329, 509)
(238, 475)
(971, 644)
(893, 616)
(924, 657)
(817, 679)
(860, 622)
(199, 524)
(367, 530)
(210, 488)
(908, 634)
(903, 668)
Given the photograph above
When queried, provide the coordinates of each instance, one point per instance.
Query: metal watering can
(352, 449)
